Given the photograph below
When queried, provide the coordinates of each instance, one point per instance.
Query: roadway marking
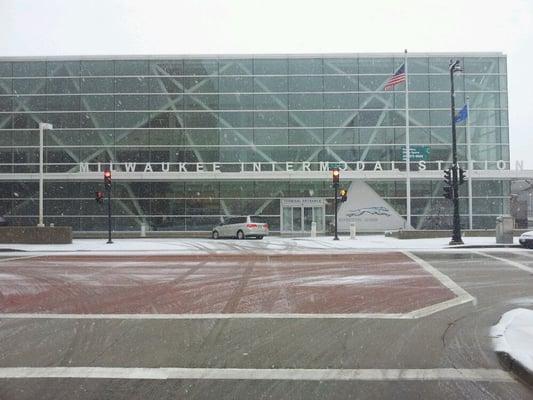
(472, 375)
(462, 295)
(506, 261)
(208, 316)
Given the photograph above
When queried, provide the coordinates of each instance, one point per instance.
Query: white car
(526, 239)
(241, 228)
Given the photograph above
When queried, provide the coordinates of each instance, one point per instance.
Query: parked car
(241, 228)
(526, 239)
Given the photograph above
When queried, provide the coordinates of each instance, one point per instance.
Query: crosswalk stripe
(484, 375)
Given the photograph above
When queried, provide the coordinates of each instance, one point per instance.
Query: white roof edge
(244, 55)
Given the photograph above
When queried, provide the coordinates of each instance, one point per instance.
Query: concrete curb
(511, 365)
(486, 246)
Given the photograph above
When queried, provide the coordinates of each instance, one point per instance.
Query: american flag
(398, 77)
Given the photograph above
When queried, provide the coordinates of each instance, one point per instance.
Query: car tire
(260, 237)
(240, 235)
(215, 235)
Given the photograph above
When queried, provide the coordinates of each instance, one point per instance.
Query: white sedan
(526, 239)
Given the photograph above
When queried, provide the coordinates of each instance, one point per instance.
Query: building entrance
(297, 215)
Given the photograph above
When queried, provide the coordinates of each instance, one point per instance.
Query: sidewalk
(267, 245)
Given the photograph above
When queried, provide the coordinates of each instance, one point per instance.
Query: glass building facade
(242, 109)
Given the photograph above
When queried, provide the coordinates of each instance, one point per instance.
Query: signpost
(107, 184)
(336, 181)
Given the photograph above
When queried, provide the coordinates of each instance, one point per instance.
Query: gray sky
(99, 27)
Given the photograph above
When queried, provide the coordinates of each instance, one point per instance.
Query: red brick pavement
(347, 283)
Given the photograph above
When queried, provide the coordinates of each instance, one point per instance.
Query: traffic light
(336, 175)
(462, 176)
(448, 176)
(448, 192)
(99, 197)
(107, 179)
(344, 194)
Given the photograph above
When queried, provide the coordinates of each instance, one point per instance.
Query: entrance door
(308, 218)
(296, 219)
(298, 215)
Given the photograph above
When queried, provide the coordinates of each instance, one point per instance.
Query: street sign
(418, 153)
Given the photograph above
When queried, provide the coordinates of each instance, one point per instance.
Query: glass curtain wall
(260, 109)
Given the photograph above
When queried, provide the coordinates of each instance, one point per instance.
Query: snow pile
(513, 335)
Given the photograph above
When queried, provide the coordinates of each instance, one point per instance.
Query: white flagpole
(407, 146)
(470, 163)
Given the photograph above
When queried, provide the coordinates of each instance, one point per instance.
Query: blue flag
(462, 115)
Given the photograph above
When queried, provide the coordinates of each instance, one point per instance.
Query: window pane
(340, 66)
(63, 68)
(29, 68)
(171, 67)
(340, 84)
(97, 68)
(29, 86)
(131, 67)
(481, 64)
(201, 84)
(97, 85)
(271, 66)
(200, 67)
(375, 65)
(97, 102)
(235, 67)
(341, 101)
(6, 69)
(236, 84)
(131, 102)
(481, 82)
(417, 65)
(305, 66)
(271, 101)
(131, 85)
(305, 83)
(165, 85)
(305, 101)
(63, 103)
(63, 85)
(271, 84)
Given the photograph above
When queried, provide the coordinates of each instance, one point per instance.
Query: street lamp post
(42, 127)
(456, 236)
(336, 199)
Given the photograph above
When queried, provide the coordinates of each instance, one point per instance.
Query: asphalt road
(444, 355)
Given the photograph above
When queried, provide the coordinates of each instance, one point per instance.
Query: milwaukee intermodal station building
(191, 139)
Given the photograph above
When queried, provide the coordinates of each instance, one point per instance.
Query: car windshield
(256, 219)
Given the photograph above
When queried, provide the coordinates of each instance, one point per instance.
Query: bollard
(352, 230)
(313, 229)
(143, 230)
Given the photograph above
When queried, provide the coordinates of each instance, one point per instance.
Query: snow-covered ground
(513, 335)
(267, 245)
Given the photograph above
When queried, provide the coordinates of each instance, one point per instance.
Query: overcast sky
(110, 27)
